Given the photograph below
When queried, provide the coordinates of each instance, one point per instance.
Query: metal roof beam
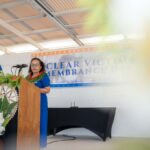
(45, 9)
(74, 26)
(25, 18)
(18, 33)
(22, 22)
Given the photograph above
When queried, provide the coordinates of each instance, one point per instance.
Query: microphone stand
(19, 72)
(15, 72)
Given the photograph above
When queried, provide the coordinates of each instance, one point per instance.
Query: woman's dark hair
(41, 64)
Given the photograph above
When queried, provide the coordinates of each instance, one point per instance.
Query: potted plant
(8, 99)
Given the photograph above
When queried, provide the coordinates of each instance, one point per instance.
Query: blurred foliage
(143, 54)
(133, 144)
(9, 79)
(98, 19)
(6, 108)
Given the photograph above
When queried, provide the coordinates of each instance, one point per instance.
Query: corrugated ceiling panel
(61, 5)
(41, 23)
(24, 11)
(18, 40)
(11, 41)
(55, 35)
(5, 1)
(19, 26)
(36, 37)
(4, 31)
(6, 42)
(5, 16)
(27, 10)
(75, 18)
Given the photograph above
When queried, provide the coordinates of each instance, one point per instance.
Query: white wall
(132, 102)
(7, 61)
(132, 116)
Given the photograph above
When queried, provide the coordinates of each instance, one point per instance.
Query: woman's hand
(45, 90)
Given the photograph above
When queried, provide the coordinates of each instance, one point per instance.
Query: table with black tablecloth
(97, 120)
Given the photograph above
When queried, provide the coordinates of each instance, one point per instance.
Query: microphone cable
(71, 138)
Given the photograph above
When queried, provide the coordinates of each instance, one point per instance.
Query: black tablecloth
(97, 120)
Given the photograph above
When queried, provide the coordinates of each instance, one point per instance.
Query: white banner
(87, 68)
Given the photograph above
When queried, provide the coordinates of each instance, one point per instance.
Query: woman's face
(35, 66)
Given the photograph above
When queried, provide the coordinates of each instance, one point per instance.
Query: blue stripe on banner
(88, 84)
(72, 85)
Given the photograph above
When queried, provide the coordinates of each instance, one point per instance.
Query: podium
(28, 132)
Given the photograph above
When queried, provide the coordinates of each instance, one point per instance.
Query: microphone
(20, 66)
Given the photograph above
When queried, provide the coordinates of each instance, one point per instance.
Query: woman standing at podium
(38, 76)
